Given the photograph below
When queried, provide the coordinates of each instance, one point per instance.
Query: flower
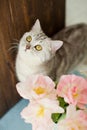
(73, 89)
(46, 111)
(39, 113)
(36, 87)
(74, 120)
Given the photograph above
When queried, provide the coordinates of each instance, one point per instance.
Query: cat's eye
(28, 38)
(38, 47)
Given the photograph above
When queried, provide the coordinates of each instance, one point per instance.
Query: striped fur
(74, 49)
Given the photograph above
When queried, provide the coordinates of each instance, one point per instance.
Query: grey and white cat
(39, 54)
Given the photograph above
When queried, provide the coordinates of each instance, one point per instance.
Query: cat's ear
(37, 26)
(56, 44)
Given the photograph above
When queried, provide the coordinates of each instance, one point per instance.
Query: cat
(39, 54)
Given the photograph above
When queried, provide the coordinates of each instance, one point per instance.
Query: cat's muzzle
(27, 47)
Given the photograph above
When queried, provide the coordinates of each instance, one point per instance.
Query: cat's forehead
(40, 36)
(36, 35)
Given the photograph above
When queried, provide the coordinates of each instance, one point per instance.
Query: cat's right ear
(37, 26)
(56, 44)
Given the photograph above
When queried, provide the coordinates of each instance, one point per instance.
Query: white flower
(37, 87)
(39, 113)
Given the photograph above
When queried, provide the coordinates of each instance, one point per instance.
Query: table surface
(12, 119)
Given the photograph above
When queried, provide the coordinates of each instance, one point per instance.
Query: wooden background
(17, 17)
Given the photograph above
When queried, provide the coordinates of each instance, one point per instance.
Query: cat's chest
(24, 69)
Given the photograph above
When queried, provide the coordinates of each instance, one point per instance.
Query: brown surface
(17, 17)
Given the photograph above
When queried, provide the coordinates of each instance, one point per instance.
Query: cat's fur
(51, 60)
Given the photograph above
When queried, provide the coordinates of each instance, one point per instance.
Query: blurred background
(17, 17)
(76, 11)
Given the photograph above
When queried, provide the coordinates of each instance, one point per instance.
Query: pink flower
(73, 89)
(74, 120)
(39, 113)
(37, 87)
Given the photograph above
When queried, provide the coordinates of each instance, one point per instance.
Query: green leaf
(55, 117)
(62, 103)
(62, 116)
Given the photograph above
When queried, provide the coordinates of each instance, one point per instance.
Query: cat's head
(36, 45)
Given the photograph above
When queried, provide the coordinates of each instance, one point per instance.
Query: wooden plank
(17, 17)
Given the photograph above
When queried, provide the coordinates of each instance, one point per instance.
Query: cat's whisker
(15, 43)
(13, 48)
(16, 40)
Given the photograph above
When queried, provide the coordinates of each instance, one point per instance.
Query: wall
(76, 11)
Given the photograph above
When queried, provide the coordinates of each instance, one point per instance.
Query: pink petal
(70, 85)
(23, 90)
(44, 81)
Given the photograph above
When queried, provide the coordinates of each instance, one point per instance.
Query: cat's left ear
(37, 26)
(56, 44)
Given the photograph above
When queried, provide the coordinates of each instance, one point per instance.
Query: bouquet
(55, 106)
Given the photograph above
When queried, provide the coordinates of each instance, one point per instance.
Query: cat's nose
(27, 47)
